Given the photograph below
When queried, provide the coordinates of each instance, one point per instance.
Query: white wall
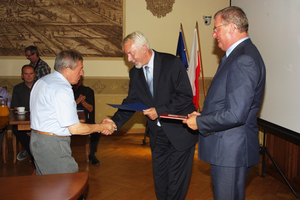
(275, 29)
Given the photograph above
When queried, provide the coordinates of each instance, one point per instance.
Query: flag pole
(201, 64)
(186, 51)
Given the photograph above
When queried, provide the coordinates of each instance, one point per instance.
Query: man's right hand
(110, 126)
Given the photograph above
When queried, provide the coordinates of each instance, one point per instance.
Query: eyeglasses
(215, 29)
(27, 56)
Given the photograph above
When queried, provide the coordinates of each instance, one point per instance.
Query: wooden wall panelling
(286, 156)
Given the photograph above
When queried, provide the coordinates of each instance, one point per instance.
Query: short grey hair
(67, 59)
(236, 15)
(138, 38)
(33, 50)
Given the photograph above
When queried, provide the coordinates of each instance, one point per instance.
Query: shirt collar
(151, 61)
(232, 47)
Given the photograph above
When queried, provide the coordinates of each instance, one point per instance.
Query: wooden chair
(87, 147)
(5, 147)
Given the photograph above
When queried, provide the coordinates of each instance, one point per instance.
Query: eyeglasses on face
(215, 29)
(27, 56)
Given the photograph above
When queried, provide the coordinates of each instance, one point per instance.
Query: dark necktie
(223, 58)
(221, 62)
(149, 79)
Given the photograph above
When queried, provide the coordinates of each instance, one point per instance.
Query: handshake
(107, 126)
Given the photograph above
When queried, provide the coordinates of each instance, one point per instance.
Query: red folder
(173, 116)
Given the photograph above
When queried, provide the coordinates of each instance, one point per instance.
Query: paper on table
(138, 106)
(173, 116)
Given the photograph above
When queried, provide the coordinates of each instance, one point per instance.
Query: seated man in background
(85, 100)
(54, 118)
(41, 68)
(20, 98)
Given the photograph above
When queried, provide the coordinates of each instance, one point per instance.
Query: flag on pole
(181, 53)
(194, 69)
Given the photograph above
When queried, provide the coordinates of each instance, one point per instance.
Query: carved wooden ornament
(160, 8)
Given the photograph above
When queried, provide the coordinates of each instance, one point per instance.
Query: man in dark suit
(228, 122)
(172, 144)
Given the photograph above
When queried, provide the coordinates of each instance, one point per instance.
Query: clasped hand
(80, 99)
(109, 126)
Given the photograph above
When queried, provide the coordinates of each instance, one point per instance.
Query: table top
(19, 119)
(36, 187)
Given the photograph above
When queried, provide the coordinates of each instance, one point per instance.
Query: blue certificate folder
(138, 106)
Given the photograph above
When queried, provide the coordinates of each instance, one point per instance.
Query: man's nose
(129, 58)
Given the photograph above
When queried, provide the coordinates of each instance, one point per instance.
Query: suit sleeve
(241, 83)
(122, 116)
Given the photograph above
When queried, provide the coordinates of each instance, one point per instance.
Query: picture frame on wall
(93, 28)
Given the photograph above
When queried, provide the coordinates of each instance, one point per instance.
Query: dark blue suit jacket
(228, 122)
(172, 94)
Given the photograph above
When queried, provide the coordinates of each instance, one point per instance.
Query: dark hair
(234, 15)
(67, 59)
(33, 50)
(26, 66)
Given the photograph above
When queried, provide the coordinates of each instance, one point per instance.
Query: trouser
(94, 142)
(171, 169)
(229, 182)
(22, 137)
(52, 155)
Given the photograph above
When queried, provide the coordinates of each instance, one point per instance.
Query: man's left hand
(191, 121)
(151, 113)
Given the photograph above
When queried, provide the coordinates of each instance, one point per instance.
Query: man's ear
(233, 27)
(144, 48)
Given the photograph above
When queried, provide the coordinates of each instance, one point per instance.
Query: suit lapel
(231, 56)
(222, 63)
(156, 71)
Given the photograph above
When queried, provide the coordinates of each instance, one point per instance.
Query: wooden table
(23, 123)
(23, 120)
(36, 187)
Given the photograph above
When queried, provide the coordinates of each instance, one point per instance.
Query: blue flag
(180, 53)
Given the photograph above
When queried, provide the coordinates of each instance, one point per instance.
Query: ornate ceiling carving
(160, 8)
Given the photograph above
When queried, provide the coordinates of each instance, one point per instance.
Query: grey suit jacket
(172, 94)
(228, 122)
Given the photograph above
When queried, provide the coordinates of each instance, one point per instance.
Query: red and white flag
(194, 69)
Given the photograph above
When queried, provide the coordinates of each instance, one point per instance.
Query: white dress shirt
(52, 105)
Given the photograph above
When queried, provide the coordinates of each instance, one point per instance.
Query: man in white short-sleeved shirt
(54, 118)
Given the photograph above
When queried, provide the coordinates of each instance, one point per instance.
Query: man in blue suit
(172, 144)
(227, 125)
